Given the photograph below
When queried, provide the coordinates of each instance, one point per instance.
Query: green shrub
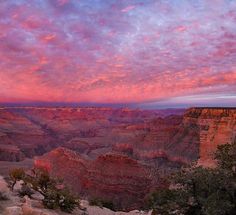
(67, 202)
(40, 181)
(101, 203)
(62, 199)
(50, 200)
(25, 191)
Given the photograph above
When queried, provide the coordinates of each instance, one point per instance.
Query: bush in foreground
(101, 203)
(16, 175)
(3, 196)
(55, 195)
(25, 191)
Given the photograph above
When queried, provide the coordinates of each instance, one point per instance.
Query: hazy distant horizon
(112, 105)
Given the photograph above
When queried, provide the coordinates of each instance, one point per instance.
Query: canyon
(117, 155)
(31, 131)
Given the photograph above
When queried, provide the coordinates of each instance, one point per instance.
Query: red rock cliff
(216, 126)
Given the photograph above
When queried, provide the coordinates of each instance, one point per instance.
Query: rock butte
(111, 177)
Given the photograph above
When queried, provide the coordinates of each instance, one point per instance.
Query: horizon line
(103, 105)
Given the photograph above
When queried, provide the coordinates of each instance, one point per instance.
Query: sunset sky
(151, 53)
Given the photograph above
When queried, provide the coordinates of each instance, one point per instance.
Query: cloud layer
(110, 51)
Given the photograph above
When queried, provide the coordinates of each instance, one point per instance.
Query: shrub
(62, 199)
(40, 181)
(67, 202)
(51, 199)
(54, 197)
(25, 191)
(101, 203)
(3, 196)
(16, 174)
(95, 202)
(108, 204)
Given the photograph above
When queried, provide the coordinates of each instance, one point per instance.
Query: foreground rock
(92, 210)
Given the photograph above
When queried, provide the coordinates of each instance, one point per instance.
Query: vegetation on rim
(196, 190)
(54, 193)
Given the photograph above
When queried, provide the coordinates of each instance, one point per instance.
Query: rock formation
(110, 177)
(215, 126)
(158, 137)
(92, 131)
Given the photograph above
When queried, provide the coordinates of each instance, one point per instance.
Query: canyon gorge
(118, 155)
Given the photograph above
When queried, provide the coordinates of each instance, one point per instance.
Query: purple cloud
(116, 51)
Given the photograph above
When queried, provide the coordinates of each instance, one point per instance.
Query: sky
(151, 53)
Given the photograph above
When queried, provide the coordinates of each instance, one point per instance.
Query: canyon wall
(162, 135)
(216, 126)
(183, 139)
(91, 131)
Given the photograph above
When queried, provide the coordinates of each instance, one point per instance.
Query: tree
(226, 156)
(16, 174)
(201, 191)
(39, 180)
(55, 196)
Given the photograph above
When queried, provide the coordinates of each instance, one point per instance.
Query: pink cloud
(62, 2)
(79, 51)
(49, 37)
(128, 8)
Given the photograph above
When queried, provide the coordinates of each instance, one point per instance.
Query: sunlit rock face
(216, 126)
(193, 136)
(111, 177)
(168, 138)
